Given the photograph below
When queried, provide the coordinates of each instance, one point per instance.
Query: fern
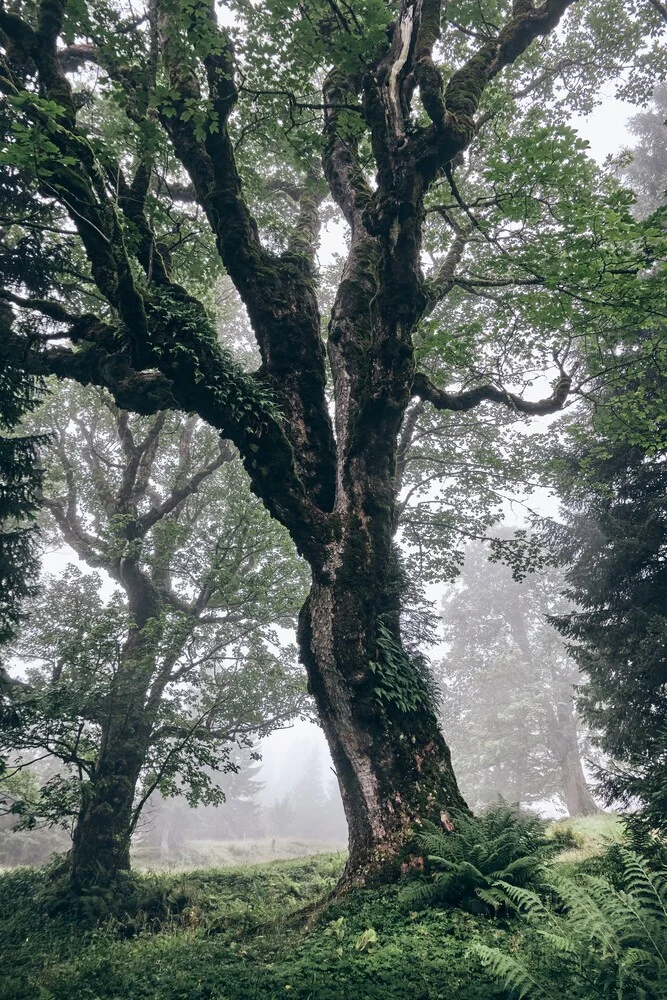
(511, 972)
(604, 942)
(473, 866)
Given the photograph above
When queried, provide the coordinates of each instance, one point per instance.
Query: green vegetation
(221, 853)
(226, 935)
(476, 865)
(586, 837)
(599, 937)
(272, 930)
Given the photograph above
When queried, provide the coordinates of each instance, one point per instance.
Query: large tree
(508, 687)
(208, 129)
(156, 686)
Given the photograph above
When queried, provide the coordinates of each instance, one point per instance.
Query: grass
(230, 937)
(195, 854)
(588, 836)
(251, 932)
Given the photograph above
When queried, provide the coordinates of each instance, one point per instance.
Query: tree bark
(392, 763)
(103, 830)
(578, 799)
(577, 796)
(101, 838)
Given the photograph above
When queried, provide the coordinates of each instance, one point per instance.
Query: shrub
(474, 865)
(565, 837)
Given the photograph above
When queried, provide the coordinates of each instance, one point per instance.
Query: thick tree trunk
(393, 765)
(101, 839)
(578, 799)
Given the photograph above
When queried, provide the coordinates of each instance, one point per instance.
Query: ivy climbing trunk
(392, 763)
(374, 703)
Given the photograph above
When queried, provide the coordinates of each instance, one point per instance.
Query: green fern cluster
(478, 864)
(593, 941)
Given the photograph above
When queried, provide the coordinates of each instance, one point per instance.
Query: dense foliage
(602, 937)
(615, 537)
(154, 685)
(20, 478)
(477, 864)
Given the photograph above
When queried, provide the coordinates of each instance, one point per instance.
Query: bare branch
(470, 398)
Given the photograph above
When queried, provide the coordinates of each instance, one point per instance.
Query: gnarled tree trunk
(393, 765)
(103, 830)
(335, 493)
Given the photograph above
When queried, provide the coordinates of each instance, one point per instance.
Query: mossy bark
(104, 825)
(392, 763)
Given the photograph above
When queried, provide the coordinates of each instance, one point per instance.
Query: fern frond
(643, 883)
(523, 899)
(512, 973)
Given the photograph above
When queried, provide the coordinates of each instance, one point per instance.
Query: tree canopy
(155, 685)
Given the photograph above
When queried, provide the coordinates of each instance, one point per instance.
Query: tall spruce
(614, 544)
(20, 478)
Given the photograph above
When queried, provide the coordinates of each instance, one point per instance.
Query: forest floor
(244, 933)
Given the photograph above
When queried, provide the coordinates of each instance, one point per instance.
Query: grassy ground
(244, 933)
(589, 835)
(232, 939)
(194, 854)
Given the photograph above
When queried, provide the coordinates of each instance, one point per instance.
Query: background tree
(508, 689)
(613, 542)
(168, 823)
(608, 468)
(211, 140)
(152, 687)
(644, 166)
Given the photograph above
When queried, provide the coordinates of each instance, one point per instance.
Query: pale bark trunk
(578, 799)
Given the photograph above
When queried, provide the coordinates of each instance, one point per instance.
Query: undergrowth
(235, 940)
(592, 937)
(266, 931)
(476, 864)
